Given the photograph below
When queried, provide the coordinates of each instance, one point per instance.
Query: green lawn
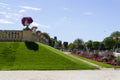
(36, 56)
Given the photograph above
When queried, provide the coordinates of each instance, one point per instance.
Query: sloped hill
(36, 56)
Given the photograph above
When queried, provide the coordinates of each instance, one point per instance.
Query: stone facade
(11, 35)
(27, 35)
(22, 35)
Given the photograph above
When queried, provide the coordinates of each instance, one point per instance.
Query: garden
(106, 57)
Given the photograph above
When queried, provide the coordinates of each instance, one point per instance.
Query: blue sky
(66, 19)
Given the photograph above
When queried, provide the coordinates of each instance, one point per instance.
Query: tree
(59, 44)
(116, 36)
(79, 44)
(46, 37)
(51, 42)
(65, 44)
(89, 44)
(55, 38)
(96, 45)
(109, 42)
(102, 46)
(56, 42)
(71, 46)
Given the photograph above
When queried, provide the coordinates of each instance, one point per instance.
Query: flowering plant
(38, 31)
(26, 21)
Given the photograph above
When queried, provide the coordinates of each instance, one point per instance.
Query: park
(27, 50)
(59, 40)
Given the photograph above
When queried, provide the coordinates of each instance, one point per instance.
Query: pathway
(61, 75)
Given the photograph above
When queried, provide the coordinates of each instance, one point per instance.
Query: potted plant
(26, 21)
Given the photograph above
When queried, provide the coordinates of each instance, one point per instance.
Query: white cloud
(31, 8)
(88, 13)
(4, 4)
(12, 15)
(3, 13)
(66, 20)
(35, 24)
(3, 21)
(9, 16)
(9, 8)
(22, 11)
(66, 9)
(39, 25)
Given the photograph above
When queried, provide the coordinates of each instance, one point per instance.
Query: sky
(66, 19)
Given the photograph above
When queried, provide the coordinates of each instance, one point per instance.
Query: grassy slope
(32, 56)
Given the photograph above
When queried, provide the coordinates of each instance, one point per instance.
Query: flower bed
(107, 57)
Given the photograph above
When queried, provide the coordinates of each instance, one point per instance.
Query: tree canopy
(115, 34)
(109, 42)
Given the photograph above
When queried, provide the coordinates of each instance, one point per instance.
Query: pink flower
(26, 21)
(38, 31)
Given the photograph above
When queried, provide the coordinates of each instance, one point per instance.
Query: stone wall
(27, 35)
(22, 35)
(11, 35)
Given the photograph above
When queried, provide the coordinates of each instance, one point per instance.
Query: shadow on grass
(8, 55)
(32, 45)
(7, 58)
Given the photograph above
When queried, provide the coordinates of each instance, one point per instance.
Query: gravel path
(61, 75)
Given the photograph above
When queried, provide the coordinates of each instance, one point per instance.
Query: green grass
(103, 64)
(36, 56)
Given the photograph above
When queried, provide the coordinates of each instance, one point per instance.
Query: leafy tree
(56, 44)
(89, 44)
(115, 34)
(55, 38)
(59, 44)
(102, 46)
(79, 44)
(96, 45)
(51, 42)
(109, 42)
(46, 37)
(65, 44)
(71, 46)
(116, 37)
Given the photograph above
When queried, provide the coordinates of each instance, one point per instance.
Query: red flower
(28, 19)
(38, 31)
